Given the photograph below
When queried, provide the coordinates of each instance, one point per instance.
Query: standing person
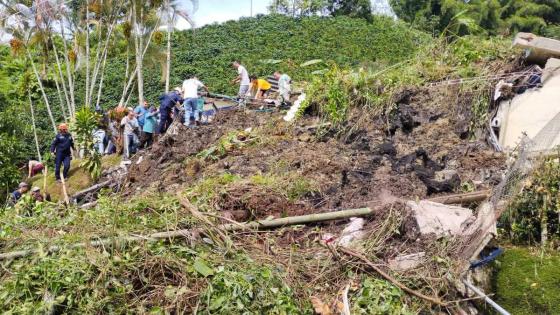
(34, 168)
(17, 194)
(150, 126)
(190, 95)
(130, 124)
(141, 111)
(284, 86)
(167, 103)
(242, 78)
(260, 87)
(61, 148)
(99, 138)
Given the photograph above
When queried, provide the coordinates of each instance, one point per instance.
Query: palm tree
(171, 11)
(22, 22)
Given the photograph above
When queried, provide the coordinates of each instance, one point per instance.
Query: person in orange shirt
(260, 86)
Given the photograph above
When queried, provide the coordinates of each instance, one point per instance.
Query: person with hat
(18, 193)
(61, 149)
(37, 196)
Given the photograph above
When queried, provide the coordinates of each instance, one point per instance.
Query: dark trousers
(164, 123)
(148, 139)
(61, 160)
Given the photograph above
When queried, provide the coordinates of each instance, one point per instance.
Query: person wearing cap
(190, 95)
(61, 149)
(37, 196)
(18, 193)
(167, 103)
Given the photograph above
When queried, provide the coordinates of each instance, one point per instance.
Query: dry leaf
(320, 307)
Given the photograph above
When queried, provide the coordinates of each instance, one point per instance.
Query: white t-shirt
(244, 76)
(190, 88)
(129, 125)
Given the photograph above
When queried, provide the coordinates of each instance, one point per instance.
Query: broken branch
(385, 275)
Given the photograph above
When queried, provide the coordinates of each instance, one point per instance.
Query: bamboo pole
(470, 197)
(265, 224)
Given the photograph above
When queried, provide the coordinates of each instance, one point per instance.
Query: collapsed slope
(420, 150)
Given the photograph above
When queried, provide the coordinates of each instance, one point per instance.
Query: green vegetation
(333, 95)
(526, 281)
(268, 43)
(532, 217)
(79, 179)
(457, 17)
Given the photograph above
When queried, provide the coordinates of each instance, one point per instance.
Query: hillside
(268, 43)
(363, 139)
(375, 199)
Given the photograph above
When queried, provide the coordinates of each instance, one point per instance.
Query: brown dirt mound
(421, 149)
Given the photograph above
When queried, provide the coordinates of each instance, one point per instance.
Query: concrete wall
(530, 112)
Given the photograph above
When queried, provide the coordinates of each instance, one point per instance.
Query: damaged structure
(532, 108)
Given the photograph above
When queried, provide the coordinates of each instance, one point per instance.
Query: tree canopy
(481, 16)
(352, 8)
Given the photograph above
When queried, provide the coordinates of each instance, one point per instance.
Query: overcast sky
(210, 11)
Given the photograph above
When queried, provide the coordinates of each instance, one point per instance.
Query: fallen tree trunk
(91, 189)
(476, 196)
(265, 224)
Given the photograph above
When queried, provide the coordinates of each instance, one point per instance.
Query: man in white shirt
(190, 96)
(130, 124)
(284, 86)
(242, 79)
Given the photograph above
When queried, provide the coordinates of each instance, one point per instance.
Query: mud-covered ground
(422, 149)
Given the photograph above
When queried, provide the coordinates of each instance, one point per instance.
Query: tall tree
(171, 12)
(492, 16)
(353, 8)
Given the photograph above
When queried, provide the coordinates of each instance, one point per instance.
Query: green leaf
(271, 61)
(311, 62)
(202, 267)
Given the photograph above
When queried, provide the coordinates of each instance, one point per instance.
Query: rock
(406, 262)
(439, 219)
(352, 232)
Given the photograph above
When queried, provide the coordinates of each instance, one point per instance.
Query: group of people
(35, 194)
(260, 88)
(140, 124)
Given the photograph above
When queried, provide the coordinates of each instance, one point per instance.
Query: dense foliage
(533, 217)
(353, 8)
(478, 16)
(267, 43)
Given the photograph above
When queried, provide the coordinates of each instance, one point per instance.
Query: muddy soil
(421, 149)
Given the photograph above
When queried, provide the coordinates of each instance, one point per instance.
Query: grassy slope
(528, 282)
(79, 179)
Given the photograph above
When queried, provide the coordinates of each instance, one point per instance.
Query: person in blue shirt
(149, 128)
(141, 111)
(17, 194)
(61, 149)
(167, 103)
